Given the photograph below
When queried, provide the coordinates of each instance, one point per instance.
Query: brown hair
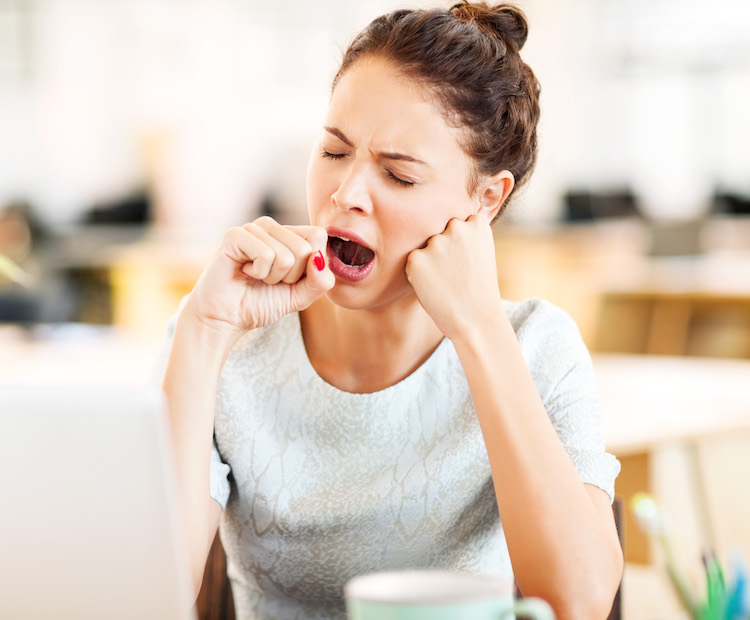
(468, 57)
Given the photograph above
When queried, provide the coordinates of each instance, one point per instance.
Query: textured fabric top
(320, 485)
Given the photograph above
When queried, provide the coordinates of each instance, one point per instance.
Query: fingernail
(319, 261)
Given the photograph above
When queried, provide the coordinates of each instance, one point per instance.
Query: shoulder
(551, 343)
(536, 320)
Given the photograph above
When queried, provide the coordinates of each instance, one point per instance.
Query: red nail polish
(319, 261)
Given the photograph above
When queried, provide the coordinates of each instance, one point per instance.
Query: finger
(316, 235)
(291, 238)
(480, 217)
(274, 260)
(245, 248)
(412, 264)
(315, 283)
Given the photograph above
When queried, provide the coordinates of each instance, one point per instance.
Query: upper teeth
(344, 239)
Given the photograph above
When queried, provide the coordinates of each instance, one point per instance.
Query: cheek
(409, 225)
(316, 185)
(310, 182)
(431, 214)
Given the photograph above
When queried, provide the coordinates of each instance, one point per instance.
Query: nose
(353, 192)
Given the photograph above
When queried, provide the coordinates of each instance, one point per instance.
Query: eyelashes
(334, 156)
(397, 180)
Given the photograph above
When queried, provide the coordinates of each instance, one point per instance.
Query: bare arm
(560, 532)
(195, 362)
(260, 272)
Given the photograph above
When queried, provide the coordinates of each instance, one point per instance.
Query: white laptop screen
(89, 519)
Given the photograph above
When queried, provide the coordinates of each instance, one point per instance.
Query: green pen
(715, 588)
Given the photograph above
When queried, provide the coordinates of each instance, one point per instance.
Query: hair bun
(505, 20)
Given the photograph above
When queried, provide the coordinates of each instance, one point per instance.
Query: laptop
(89, 522)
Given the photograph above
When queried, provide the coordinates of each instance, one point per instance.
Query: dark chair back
(617, 509)
(215, 597)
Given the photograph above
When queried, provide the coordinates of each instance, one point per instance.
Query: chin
(349, 300)
(351, 297)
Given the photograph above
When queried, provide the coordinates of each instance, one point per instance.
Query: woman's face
(386, 174)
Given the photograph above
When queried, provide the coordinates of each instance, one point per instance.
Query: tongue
(353, 254)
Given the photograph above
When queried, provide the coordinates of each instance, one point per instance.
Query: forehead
(374, 99)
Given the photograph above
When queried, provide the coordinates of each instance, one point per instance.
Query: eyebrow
(398, 156)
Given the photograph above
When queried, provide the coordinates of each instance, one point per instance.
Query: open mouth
(349, 260)
(349, 252)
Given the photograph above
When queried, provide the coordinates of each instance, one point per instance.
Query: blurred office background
(134, 132)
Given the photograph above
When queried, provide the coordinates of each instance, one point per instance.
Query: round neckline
(404, 383)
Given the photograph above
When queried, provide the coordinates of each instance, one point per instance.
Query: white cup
(437, 595)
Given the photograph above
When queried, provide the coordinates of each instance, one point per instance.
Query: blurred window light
(15, 41)
(679, 32)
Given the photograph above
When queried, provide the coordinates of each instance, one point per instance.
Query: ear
(493, 193)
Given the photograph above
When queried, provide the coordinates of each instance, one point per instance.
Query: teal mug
(437, 595)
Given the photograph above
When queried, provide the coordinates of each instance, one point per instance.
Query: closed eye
(329, 155)
(398, 181)
(337, 156)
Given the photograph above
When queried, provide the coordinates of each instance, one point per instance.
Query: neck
(367, 350)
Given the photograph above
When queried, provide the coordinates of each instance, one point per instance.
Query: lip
(342, 270)
(333, 231)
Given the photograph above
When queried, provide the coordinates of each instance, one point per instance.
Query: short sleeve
(219, 481)
(564, 376)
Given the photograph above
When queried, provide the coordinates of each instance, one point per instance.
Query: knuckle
(233, 233)
(251, 228)
(300, 247)
(266, 255)
(435, 241)
(319, 236)
(264, 221)
(285, 259)
(306, 248)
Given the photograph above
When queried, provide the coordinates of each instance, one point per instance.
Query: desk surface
(76, 355)
(651, 399)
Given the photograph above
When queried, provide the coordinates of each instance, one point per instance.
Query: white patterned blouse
(319, 485)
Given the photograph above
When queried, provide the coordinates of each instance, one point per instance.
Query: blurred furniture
(569, 266)
(149, 279)
(680, 426)
(658, 405)
(665, 323)
(75, 271)
(691, 305)
(626, 300)
(619, 514)
(582, 205)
